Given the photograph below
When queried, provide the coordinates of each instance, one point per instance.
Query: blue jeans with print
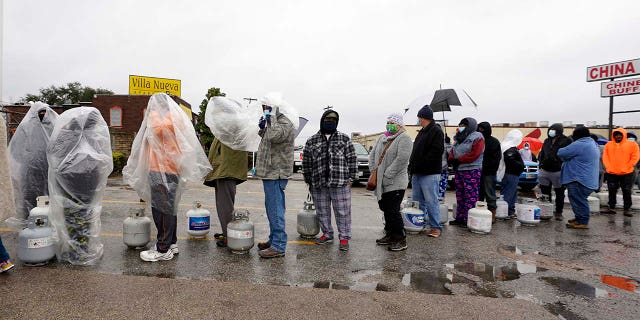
(578, 197)
(274, 202)
(426, 190)
(4, 255)
(509, 191)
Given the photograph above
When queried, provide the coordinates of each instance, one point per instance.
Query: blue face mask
(461, 129)
(267, 112)
(552, 133)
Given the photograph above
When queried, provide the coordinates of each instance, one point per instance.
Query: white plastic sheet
(512, 139)
(80, 162)
(165, 148)
(237, 126)
(28, 161)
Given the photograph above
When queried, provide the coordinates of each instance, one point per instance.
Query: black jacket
(426, 156)
(548, 156)
(513, 163)
(492, 152)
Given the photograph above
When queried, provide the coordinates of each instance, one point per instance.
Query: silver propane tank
(136, 229)
(36, 243)
(308, 224)
(240, 232)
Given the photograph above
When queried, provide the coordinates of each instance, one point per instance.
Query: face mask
(552, 133)
(631, 139)
(329, 126)
(267, 112)
(392, 128)
(461, 129)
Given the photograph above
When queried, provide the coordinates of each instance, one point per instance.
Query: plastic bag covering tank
(28, 160)
(237, 126)
(165, 152)
(80, 162)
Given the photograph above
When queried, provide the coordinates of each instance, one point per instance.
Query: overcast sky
(519, 60)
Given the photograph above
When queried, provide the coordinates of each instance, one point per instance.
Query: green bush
(119, 161)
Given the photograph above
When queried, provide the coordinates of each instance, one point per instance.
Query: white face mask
(461, 129)
(552, 133)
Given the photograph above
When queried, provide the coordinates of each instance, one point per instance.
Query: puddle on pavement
(514, 250)
(626, 284)
(576, 288)
(490, 273)
(559, 309)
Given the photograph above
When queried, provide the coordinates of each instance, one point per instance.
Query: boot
(493, 215)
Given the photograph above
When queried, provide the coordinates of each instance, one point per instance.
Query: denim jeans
(509, 191)
(274, 202)
(425, 191)
(4, 255)
(488, 191)
(578, 197)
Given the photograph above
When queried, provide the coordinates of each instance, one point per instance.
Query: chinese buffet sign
(616, 70)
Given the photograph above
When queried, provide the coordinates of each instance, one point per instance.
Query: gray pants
(225, 199)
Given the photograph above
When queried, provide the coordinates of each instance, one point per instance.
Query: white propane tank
(528, 213)
(199, 220)
(603, 197)
(480, 217)
(36, 243)
(619, 201)
(502, 210)
(444, 213)
(42, 207)
(307, 220)
(136, 229)
(546, 210)
(414, 219)
(594, 204)
(240, 232)
(635, 202)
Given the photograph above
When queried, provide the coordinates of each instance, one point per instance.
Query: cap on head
(426, 113)
(396, 118)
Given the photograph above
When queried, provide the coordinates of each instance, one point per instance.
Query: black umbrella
(443, 99)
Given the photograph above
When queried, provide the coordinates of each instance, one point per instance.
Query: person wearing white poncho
(165, 155)
(80, 161)
(511, 166)
(28, 160)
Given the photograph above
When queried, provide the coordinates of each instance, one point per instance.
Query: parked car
(528, 178)
(297, 158)
(363, 163)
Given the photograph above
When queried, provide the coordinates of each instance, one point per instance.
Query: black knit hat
(581, 132)
(426, 113)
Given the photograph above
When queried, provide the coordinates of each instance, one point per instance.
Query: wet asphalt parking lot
(573, 274)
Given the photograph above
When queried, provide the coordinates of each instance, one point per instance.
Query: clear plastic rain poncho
(28, 160)
(512, 139)
(80, 162)
(237, 126)
(167, 146)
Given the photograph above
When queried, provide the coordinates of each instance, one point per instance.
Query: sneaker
(627, 213)
(608, 211)
(264, 245)
(6, 266)
(154, 255)
(560, 218)
(221, 243)
(571, 221)
(218, 236)
(434, 233)
(324, 240)
(398, 245)
(457, 223)
(575, 225)
(174, 248)
(270, 253)
(344, 245)
(384, 240)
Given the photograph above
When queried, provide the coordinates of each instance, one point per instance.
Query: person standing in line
(391, 157)
(526, 154)
(466, 158)
(550, 165)
(580, 174)
(632, 136)
(165, 156)
(329, 166)
(274, 165)
(425, 166)
(6, 197)
(444, 174)
(229, 170)
(620, 158)
(511, 166)
(490, 164)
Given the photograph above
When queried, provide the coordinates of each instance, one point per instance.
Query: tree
(73, 92)
(206, 137)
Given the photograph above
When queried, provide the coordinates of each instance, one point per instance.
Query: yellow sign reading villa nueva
(149, 85)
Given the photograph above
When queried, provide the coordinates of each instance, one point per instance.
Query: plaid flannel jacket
(329, 162)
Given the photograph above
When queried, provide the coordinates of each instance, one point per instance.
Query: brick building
(123, 114)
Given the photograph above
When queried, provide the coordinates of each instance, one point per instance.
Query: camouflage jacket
(274, 159)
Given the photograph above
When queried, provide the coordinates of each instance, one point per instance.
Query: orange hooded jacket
(620, 158)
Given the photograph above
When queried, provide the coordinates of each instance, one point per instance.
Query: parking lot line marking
(119, 235)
